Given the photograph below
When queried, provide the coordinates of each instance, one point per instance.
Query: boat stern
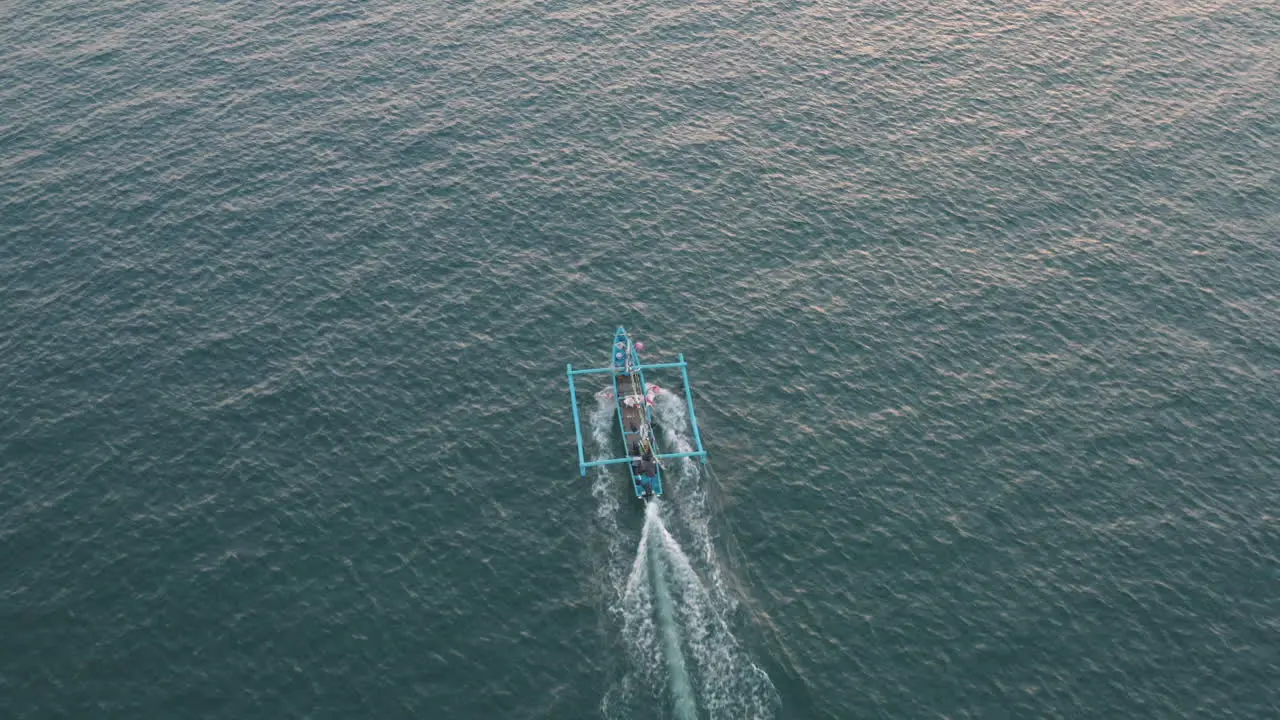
(647, 486)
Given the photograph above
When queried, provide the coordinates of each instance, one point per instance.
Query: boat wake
(690, 492)
(602, 487)
(680, 651)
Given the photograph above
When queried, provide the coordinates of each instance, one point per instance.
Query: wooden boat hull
(635, 418)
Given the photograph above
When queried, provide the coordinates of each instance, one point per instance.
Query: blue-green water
(982, 303)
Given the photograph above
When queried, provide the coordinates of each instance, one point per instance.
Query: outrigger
(633, 397)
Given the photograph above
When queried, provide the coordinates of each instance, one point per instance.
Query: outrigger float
(634, 399)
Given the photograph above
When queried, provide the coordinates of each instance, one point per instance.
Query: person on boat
(649, 462)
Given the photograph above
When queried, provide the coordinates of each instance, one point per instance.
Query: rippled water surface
(980, 301)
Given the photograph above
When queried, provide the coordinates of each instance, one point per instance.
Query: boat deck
(633, 418)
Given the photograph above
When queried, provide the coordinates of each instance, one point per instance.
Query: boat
(634, 397)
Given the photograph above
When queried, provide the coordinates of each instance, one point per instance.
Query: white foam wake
(681, 653)
(678, 639)
(602, 489)
(729, 684)
(683, 702)
(691, 491)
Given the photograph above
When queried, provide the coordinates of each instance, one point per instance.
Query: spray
(684, 705)
(674, 626)
(691, 493)
(602, 489)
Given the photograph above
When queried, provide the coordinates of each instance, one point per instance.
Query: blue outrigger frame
(626, 364)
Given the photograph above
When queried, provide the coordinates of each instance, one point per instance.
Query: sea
(980, 304)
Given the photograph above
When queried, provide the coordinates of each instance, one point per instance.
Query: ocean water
(981, 302)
